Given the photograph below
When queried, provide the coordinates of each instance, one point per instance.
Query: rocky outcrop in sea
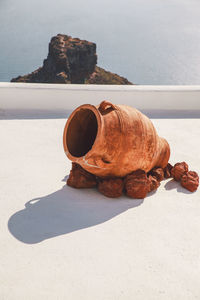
(71, 60)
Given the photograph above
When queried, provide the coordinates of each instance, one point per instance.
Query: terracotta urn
(113, 140)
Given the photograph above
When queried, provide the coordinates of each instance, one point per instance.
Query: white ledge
(102, 87)
(58, 100)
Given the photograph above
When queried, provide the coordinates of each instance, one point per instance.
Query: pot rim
(95, 110)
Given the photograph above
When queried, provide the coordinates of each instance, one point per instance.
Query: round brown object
(137, 184)
(113, 140)
(112, 187)
(158, 173)
(80, 178)
(167, 171)
(190, 181)
(153, 183)
(179, 170)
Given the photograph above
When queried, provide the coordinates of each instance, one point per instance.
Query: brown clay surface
(137, 184)
(112, 187)
(158, 173)
(80, 178)
(153, 183)
(190, 181)
(167, 171)
(179, 170)
(123, 140)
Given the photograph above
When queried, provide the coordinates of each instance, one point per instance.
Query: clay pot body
(113, 140)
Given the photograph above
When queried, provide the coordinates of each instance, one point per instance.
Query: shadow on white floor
(172, 184)
(65, 211)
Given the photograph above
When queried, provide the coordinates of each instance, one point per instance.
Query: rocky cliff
(71, 60)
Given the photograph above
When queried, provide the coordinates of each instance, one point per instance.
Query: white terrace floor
(60, 243)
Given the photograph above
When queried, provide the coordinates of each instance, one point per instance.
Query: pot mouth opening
(81, 132)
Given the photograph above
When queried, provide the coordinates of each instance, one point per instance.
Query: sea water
(146, 41)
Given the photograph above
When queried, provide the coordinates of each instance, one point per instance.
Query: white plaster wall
(58, 100)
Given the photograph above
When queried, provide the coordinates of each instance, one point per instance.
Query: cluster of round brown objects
(135, 185)
(188, 179)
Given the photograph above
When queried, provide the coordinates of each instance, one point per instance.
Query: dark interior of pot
(81, 132)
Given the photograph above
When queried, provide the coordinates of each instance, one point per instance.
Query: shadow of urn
(65, 211)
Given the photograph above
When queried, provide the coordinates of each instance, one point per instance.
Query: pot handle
(106, 104)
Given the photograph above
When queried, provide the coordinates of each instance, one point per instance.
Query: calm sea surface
(146, 41)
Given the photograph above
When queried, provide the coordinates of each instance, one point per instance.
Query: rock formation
(101, 76)
(71, 60)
